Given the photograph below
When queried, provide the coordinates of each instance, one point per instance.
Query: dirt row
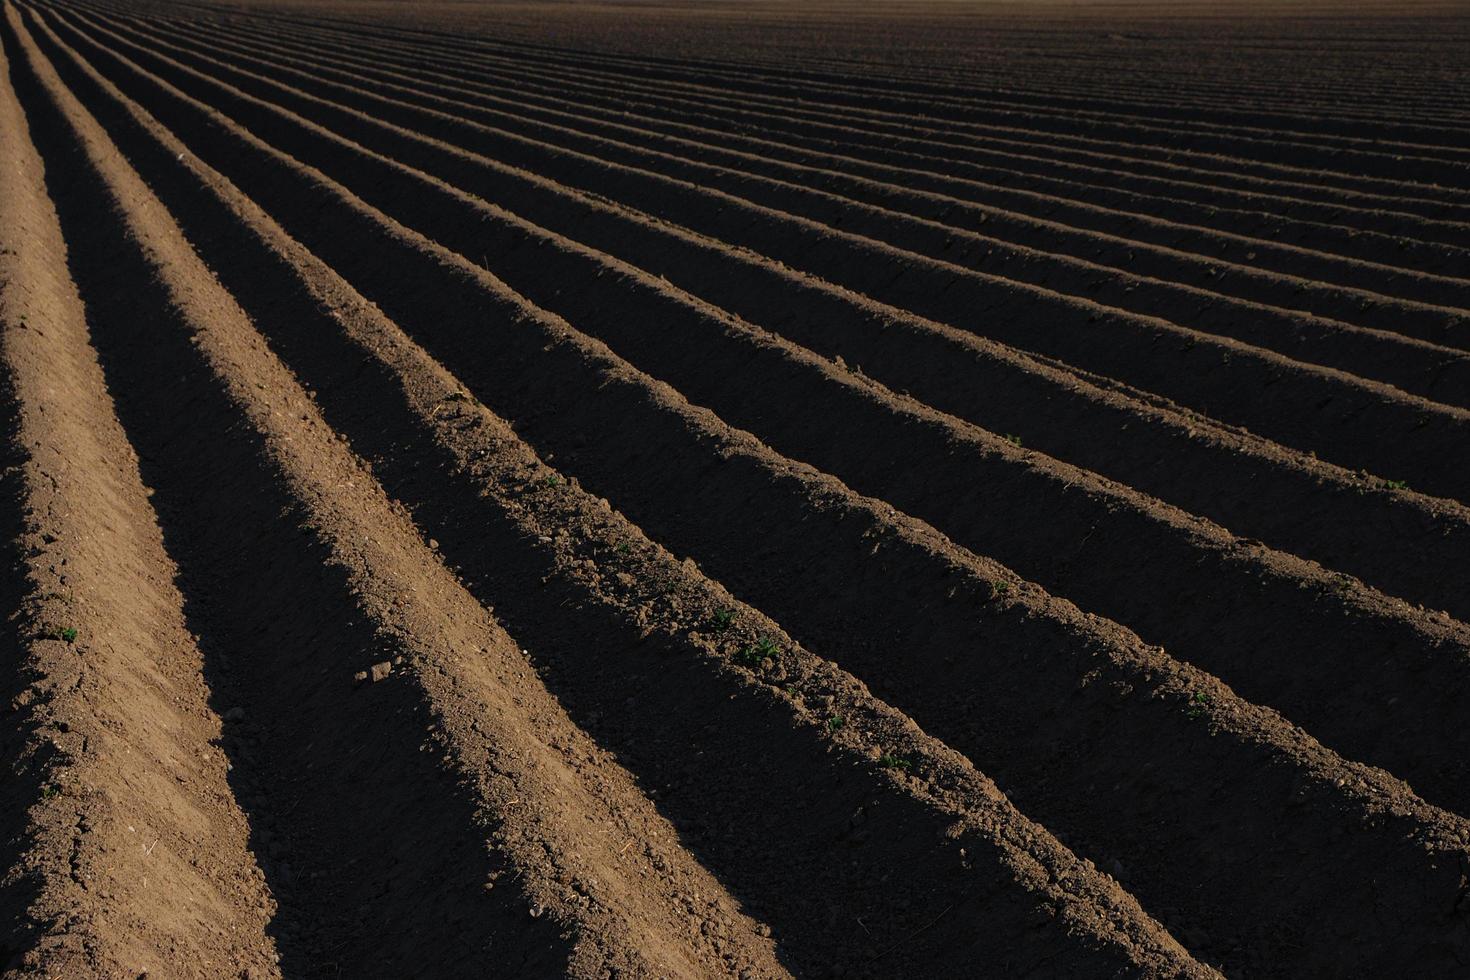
(1157, 211)
(1344, 86)
(1004, 390)
(1174, 277)
(1268, 623)
(1430, 166)
(938, 364)
(1102, 97)
(419, 299)
(112, 774)
(486, 664)
(255, 484)
(973, 137)
(562, 882)
(1436, 170)
(1301, 405)
(1280, 212)
(241, 512)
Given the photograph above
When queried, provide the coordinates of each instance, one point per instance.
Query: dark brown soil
(734, 490)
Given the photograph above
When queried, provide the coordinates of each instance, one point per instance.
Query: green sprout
(758, 653)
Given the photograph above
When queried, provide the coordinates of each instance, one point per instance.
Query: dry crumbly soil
(734, 489)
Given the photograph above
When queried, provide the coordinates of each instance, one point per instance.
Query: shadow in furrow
(760, 804)
(371, 881)
(1068, 755)
(23, 758)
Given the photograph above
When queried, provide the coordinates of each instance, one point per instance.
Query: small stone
(360, 676)
(381, 670)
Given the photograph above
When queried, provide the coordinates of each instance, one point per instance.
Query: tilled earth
(734, 490)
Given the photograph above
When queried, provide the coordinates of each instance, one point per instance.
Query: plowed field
(746, 490)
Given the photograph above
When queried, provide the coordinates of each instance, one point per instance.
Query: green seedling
(1396, 484)
(758, 653)
(1014, 440)
(624, 547)
(50, 790)
(835, 723)
(68, 634)
(723, 620)
(999, 588)
(890, 761)
(553, 481)
(1197, 705)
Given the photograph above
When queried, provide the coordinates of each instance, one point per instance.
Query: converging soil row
(486, 500)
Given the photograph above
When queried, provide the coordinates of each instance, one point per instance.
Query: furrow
(1335, 154)
(848, 90)
(1128, 170)
(1440, 178)
(1188, 116)
(708, 734)
(1265, 622)
(946, 229)
(1172, 265)
(1350, 82)
(1405, 544)
(1185, 367)
(1404, 535)
(1337, 129)
(114, 784)
(1445, 142)
(255, 484)
(1365, 90)
(639, 444)
(1347, 256)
